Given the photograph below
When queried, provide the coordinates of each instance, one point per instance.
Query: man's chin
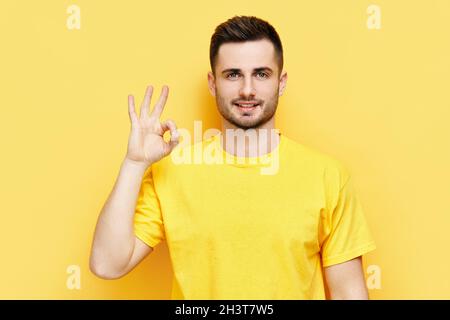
(246, 122)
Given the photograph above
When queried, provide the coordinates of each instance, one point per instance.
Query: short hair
(241, 29)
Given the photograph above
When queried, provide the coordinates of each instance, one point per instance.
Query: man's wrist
(135, 165)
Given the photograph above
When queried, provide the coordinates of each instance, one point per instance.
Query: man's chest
(259, 211)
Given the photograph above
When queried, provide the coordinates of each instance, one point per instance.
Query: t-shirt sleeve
(148, 222)
(345, 233)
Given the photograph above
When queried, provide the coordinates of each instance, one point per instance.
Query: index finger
(159, 106)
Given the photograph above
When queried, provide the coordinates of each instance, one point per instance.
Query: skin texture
(115, 249)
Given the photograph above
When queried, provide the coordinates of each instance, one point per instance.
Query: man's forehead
(246, 55)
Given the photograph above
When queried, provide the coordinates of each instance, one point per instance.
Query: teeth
(247, 105)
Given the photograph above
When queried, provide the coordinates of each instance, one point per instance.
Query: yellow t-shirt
(234, 232)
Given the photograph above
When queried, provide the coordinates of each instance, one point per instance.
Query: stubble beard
(245, 121)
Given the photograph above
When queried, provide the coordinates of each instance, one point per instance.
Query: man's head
(246, 57)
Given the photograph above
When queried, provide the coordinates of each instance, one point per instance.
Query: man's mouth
(246, 106)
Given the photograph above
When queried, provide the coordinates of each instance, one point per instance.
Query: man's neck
(252, 142)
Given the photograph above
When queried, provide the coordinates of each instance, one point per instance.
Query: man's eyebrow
(239, 70)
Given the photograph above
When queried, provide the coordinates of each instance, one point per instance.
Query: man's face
(247, 83)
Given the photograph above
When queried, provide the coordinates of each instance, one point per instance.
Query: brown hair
(241, 29)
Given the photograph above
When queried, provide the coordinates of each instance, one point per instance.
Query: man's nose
(247, 88)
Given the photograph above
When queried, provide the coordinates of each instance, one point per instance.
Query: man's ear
(212, 83)
(283, 82)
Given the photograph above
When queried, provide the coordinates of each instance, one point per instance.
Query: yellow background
(376, 99)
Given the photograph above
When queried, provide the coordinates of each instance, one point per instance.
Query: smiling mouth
(246, 106)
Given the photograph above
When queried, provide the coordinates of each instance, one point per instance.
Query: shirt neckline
(252, 161)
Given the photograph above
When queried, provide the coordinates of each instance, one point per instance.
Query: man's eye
(262, 74)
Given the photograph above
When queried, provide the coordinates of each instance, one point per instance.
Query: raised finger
(131, 109)
(159, 106)
(146, 102)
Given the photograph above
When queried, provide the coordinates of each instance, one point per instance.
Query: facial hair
(269, 107)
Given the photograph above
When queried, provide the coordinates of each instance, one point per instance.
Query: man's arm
(346, 281)
(140, 251)
(115, 249)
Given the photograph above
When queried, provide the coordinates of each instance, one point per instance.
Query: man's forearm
(114, 238)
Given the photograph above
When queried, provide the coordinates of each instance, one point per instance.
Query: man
(234, 232)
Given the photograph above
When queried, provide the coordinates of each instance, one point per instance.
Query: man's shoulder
(315, 158)
(310, 153)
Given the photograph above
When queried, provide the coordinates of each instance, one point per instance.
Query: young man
(233, 230)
